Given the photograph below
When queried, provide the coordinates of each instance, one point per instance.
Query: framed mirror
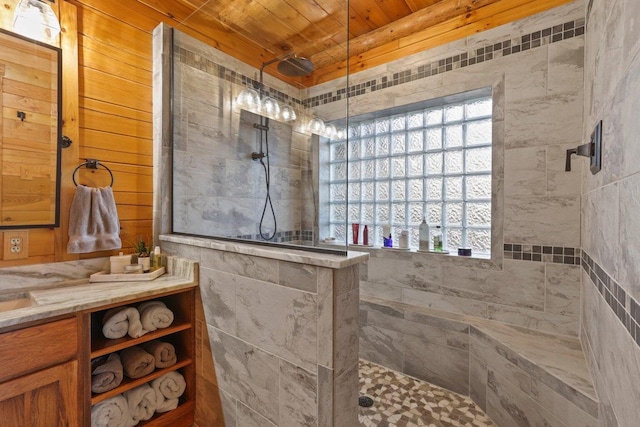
(30, 132)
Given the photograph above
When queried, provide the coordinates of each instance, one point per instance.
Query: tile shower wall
(277, 341)
(217, 188)
(537, 203)
(610, 206)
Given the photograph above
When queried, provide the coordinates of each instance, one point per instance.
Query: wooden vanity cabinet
(181, 334)
(39, 377)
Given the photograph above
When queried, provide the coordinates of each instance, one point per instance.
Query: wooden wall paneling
(70, 106)
(178, 10)
(115, 106)
(41, 242)
(96, 24)
(132, 230)
(134, 69)
(95, 139)
(109, 157)
(2, 71)
(126, 177)
(117, 110)
(103, 86)
(109, 123)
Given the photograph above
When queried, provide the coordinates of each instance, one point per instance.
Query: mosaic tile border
(623, 306)
(477, 55)
(281, 236)
(201, 63)
(541, 253)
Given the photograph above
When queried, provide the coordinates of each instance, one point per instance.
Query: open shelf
(101, 345)
(182, 416)
(129, 383)
(181, 334)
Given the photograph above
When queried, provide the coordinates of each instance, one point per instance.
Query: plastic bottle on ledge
(365, 236)
(158, 259)
(423, 240)
(437, 239)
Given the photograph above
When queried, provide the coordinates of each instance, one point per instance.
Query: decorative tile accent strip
(477, 55)
(473, 56)
(540, 253)
(206, 65)
(624, 306)
(281, 236)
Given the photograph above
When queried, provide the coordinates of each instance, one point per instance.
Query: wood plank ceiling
(379, 31)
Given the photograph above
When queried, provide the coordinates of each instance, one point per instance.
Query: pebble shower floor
(402, 401)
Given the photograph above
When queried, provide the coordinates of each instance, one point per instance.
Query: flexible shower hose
(267, 178)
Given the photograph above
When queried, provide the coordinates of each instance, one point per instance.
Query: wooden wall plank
(98, 25)
(70, 128)
(103, 86)
(98, 60)
(121, 143)
(97, 120)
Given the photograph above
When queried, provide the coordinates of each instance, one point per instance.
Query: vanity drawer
(37, 347)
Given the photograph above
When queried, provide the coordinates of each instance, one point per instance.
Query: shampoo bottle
(423, 238)
(437, 239)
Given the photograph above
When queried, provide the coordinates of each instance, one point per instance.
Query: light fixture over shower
(250, 100)
(257, 101)
(35, 19)
(317, 125)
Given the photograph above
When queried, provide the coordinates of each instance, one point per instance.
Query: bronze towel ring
(91, 164)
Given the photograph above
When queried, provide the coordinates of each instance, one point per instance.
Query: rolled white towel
(106, 373)
(136, 362)
(142, 402)
(121, 321)
(155, 315)
(168, 389)
(163, 352)
(112, 412)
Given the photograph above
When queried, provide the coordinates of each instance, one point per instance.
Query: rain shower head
(295, 66)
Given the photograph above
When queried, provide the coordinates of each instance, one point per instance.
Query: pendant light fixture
(35, 19)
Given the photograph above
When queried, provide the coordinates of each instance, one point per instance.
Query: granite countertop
(61, 288)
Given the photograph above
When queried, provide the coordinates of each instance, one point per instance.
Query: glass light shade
(316, 125)
(35, 19)
(249, 99)
(341, 134)
(330, 131)
(270, 107)
(288, 113)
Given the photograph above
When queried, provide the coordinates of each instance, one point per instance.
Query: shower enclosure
(246, 164)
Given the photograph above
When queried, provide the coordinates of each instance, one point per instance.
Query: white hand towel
(121, 321)
(93, 221)
(155, 315)
(112, 412)
(168, 389)
(142, 402)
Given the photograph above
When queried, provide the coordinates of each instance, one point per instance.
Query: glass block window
(432, 162)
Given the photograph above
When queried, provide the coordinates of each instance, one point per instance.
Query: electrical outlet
(16, 245)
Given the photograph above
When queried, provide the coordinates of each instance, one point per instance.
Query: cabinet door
(48, 398)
